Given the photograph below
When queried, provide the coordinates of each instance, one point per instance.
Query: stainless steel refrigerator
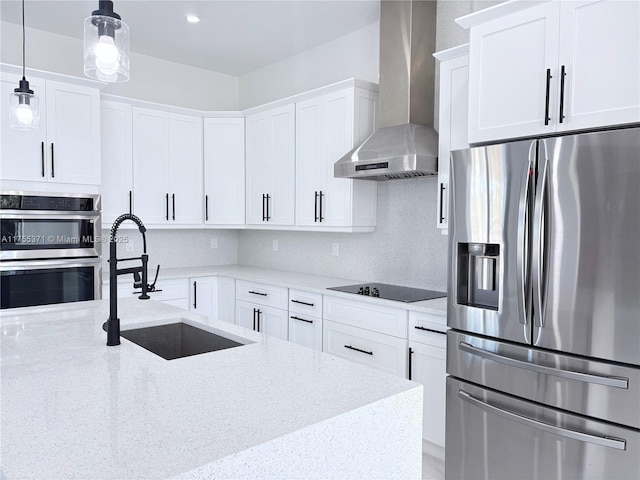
(543, 354)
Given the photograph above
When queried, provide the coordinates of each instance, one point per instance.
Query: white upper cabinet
(454, 101)
(151, 165)
(270, 164)
(600, 54)
(117, 160)
(327, 127)
(224, 186)
(167, 167)
(185, 169)
(558, 66)
(66, 147)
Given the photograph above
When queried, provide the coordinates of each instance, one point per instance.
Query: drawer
(368, 315)
(171, 290)
(427, 328)
(307, 303)
(262, 294)
(376, 350)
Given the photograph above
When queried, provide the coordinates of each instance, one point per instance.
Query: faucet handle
(152, 287)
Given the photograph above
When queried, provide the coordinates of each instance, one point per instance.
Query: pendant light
(106, 45)
(25, 114)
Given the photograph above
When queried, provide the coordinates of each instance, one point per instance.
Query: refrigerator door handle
(523, 239)
(540, 233)
(617, 382)
(618, 444)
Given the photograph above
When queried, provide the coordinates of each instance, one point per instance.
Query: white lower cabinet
(364, 346)
(203, 296)
(305, 318)
(268, 320)
(428, 366)
(172, 292)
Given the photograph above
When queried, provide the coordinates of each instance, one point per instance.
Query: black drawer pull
(358, 350)
(258, 293)
(303, 303)
(302, 319)
(429, 330)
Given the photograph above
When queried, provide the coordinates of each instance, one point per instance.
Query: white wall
(353, 55)
(151, 79)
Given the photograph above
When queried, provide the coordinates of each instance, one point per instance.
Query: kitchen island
(72, 407)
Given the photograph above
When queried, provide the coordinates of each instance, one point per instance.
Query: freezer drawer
(598, 389)
(495, 436)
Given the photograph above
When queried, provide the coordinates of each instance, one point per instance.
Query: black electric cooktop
(390, 292)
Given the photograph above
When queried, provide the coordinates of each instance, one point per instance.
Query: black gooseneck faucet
(112, 325)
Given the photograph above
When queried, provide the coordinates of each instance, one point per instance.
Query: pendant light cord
(23, 42)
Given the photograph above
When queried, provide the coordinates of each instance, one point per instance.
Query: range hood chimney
(405, 144)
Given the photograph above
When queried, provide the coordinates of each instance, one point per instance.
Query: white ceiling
(233, 37)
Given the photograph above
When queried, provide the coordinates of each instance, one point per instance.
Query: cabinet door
(117, 160)
(185, 169)
(337, 140)
(599, 50)
(227, 299)
(428, 367)
(73, 133)
(281, 169)
(257, 165)
(273, 322)
(224, 183)
(509, 59)
(305, 330)
(454, 102)
(150, 165)
(310, 164)
(246, 314)
(23, 154)
(204, 297)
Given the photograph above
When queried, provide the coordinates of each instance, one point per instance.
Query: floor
(432, 462)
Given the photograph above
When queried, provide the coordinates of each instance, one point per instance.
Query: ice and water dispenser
(478, 275)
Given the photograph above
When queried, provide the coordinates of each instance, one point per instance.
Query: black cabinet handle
(173, 202)
(321, 196)
(42, 156)
(167, 201)
(254, 319)
(53, 164)
(130, 201)
(206, 208)
(264, 216)
(258, 293)
(258, 312)
(410, 355)
(358, 350)
(315, 207)
(268, 197)
(302, 319)
(417, 327)
(195, 295)
(442, 188)
(546, 104)
(562, 75)
(303, 303)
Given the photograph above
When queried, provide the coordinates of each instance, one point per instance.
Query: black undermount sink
(177, 340)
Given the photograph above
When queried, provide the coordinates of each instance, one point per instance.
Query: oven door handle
(50, 215)
(22, 265)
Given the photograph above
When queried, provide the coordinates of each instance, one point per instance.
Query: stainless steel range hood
(405, 144)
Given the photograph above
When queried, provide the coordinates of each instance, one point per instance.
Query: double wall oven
(50, 248)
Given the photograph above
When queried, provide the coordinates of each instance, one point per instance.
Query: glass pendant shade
(25, 114)
(106, 45)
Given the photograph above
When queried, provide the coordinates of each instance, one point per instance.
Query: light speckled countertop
(300, 281)
(74, 408)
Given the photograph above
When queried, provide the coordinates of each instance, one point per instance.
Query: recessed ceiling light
(193, 18)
